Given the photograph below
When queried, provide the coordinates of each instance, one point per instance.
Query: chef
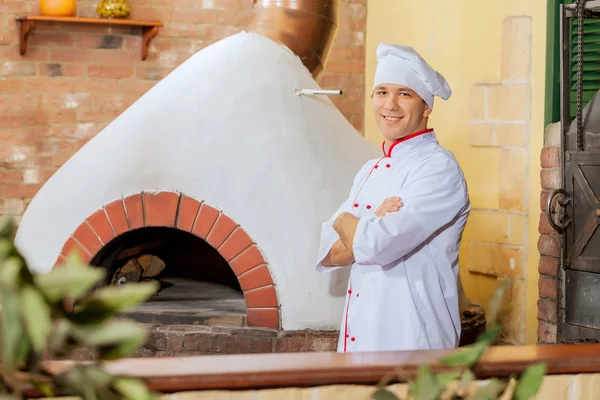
(400, 228)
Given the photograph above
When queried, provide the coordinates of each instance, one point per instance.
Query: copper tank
(307, 27)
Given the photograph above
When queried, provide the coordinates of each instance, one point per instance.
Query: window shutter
(591, 62)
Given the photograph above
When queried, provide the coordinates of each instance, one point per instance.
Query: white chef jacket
(403, 286)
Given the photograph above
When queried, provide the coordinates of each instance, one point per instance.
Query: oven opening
(197, 285)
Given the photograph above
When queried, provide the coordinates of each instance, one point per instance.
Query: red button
(368, 207)
(387, 165)
(347, 335)
(353, 338)
(376, 166)
(350, 291)
(355, 204)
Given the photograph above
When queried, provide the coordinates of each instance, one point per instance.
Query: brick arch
(178, 211)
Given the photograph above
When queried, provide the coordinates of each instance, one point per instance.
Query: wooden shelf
(27, 24)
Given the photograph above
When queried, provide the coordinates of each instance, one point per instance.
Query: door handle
(565, 220)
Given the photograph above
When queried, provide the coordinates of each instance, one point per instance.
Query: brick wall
(75, 79)
(550, 242)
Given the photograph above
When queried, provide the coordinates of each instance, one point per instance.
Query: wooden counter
(312, 369)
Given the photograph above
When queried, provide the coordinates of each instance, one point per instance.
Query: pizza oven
(216, 182)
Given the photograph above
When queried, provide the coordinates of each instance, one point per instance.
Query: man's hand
(391, 204)
(339, 255)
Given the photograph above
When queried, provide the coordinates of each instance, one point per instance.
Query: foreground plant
(36, 325)
(460, 382)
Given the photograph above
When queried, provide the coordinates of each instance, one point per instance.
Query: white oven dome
(225, 127)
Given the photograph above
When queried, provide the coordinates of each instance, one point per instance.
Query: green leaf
(490, 335)
(426, 386)
(10, 272)
(6, 228)
(444, 378)
(108, 301)
(44, 388)
(12, 328)
(58, 343)
(73, 382)
(36, 317)
(121, 350)
(530, 381)
(110, 333)
(489, 391)
(465, 357)
(70, 281)
(97, 378)
(384, 394)
(134, 389)
(465, 380)
(121, 297)
(496, 303)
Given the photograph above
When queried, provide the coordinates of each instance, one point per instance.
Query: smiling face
(399, 111)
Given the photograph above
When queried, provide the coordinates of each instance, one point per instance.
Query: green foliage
(35, 324)
(454, 384)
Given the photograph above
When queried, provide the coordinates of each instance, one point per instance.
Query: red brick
(94, 115)
(205, 220)
(347, 53)
(544, 226)
(151, 73)
(117, 57)
(547, 310)
(134, 208)
(98, 221)
(71, 245)
(263, 297)
(548, 245)
(547, 333)
(47, 84)
(160, 209)
(110, 72)
(88, 239)
(255, 278)
(117, 216)
(14, 7)
(234, 18)
(547, 288)
(188, 210)
(263, 317)
(10, 176)
(15, 68)
(548, 266)
(550, 157)
(247, 260)
(544, 199)
(21, 191)
(12, 85)
(221, 4)
(50, 39)
(551, 178)
(235, 244)
(306, 341)
(61, 55)
(181, 16)
(224, 226)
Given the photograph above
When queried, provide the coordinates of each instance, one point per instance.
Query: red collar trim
(404, 139)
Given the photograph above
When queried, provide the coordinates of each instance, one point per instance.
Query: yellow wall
(463, 39)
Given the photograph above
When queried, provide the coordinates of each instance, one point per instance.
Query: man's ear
(426, 111)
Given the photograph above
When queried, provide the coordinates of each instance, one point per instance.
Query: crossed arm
(345, 225)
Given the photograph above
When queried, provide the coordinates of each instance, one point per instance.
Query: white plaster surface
(225, 127)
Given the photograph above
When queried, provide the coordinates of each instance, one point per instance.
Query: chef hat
(402, 65)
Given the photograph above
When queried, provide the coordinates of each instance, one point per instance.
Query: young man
(400, 228)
